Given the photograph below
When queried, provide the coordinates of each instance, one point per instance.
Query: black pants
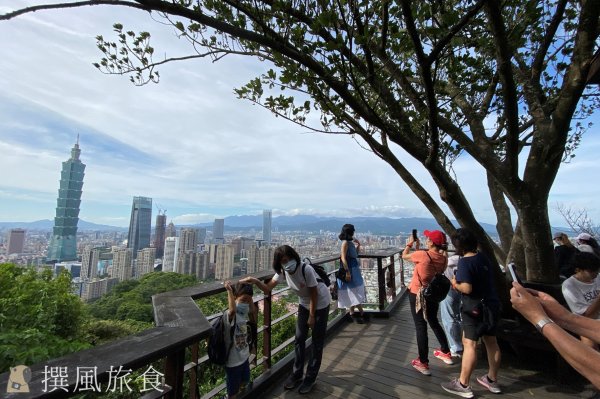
(318, 340)
(421, 327)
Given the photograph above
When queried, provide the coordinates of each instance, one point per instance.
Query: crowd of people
(469, 312)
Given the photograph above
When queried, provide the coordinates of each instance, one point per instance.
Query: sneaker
(456, 354)
(306, 387)
(444, 357)
(292, 382)
(492, 386)
(456, 388)
(423, 368)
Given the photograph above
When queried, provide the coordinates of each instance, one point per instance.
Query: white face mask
(290, 267)
(242, 310)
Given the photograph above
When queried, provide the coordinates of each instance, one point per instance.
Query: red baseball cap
(436, 236)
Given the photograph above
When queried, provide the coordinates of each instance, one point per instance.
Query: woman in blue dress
(351, 290)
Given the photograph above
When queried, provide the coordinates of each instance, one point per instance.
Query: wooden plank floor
(372, 361)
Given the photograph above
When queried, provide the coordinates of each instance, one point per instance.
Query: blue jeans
(450, 312)
(318, 341)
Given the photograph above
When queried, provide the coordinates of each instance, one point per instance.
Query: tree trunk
(503, 217)
(535, 227)
(517, 251)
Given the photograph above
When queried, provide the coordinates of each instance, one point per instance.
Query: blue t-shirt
(477, 271)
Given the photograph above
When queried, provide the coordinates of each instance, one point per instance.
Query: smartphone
(414, 234)
(512, 268)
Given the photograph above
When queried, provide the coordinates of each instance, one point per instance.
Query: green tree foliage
(132, 299)
(40, 317)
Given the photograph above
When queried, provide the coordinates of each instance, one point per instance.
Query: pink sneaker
(492, 386)
(444, 357)
(423, 368)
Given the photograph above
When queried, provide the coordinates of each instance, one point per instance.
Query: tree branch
(26, 10)
(538, 61)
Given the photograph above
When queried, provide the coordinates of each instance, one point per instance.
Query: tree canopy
(40, 317)
(503, 83)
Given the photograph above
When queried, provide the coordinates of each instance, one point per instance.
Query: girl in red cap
(427, 264)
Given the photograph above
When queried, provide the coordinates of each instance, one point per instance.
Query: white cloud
(187, 142)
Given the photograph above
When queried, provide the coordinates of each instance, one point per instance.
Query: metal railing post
(381, 283)
(174, 373)
(392, 273)
(402, 282)
(267, 330)
(194, 373)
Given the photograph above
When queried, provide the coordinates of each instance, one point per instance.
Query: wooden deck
(373, 361)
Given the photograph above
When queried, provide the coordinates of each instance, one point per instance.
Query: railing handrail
(179, 324)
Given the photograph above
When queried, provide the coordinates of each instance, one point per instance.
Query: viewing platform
(371, 360)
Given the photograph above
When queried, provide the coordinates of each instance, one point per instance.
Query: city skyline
(188, 142)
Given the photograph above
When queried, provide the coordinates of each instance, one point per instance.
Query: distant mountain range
(47, 224)
(299, 223)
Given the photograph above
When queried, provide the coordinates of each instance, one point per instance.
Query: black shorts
(477, 327)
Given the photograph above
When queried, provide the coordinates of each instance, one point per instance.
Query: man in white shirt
(583, 287)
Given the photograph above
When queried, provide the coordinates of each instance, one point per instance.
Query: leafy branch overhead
(503, 83)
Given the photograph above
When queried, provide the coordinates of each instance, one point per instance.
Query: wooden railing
(174, 343)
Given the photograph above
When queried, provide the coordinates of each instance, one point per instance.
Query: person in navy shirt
(480, 311)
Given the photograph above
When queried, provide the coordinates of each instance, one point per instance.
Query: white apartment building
(122, 264)
(223, 259)
(171, 254)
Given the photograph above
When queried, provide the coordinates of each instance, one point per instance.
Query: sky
(188, 142)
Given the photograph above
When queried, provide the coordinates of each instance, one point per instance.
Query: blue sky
(188, 142)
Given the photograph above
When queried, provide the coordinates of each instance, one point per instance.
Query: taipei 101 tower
(63, 244)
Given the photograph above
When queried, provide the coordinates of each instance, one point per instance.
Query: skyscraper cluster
(182, 253)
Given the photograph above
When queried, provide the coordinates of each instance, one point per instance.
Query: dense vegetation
(41, 318)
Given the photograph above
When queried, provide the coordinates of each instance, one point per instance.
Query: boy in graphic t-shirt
(241, 309)
(582, 288)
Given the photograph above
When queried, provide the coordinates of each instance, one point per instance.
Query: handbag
(474, 307)
(438, 287)
(341, 273)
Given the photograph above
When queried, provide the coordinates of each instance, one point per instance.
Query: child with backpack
(313, 311)
(238, 335)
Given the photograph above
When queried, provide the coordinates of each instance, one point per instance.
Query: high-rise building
(140, 224)
(122, 264)
(171, 231)
(219, 231)
(223, 262)
(96, 288)
(63, 244)
(186, 262)
(202, 266)
(259, 259)
(188, 240)
(90, 258)
(267, 213)
(16, 241)
(145, 261)
(171, 254)
(159, 234)
(242, 244)
(201, 235)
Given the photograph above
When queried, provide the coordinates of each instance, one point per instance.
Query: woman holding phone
(427, 264)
